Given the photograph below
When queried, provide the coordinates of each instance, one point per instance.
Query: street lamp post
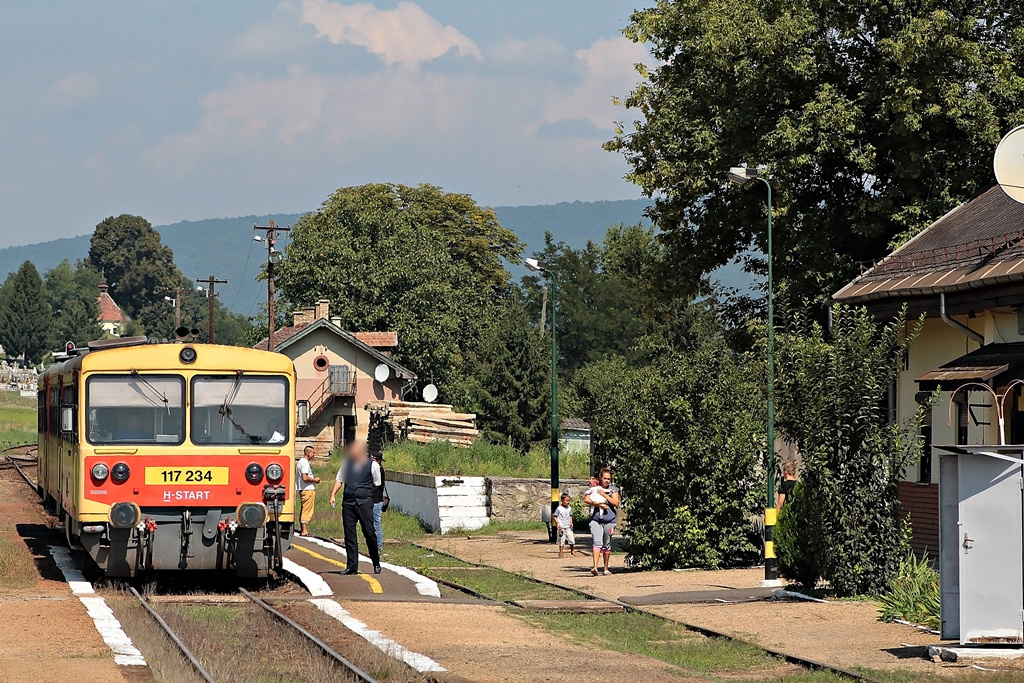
(541, 267)
(741, 175)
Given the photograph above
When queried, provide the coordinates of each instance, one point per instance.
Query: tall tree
(603, 302)
(139, 269)
(25, 318)
(413, 259)
(509, 376)
(71, 292)
(871, 118)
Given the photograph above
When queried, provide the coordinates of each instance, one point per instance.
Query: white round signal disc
(381, 373)
(430, 393)
(1009, 164)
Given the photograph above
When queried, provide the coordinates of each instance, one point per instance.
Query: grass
(17, 419)
(483, 459)
(500, 585)
(327, 521)
(642, 634)
(17, 570)
(420, 559)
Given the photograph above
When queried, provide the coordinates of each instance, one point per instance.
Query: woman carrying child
(604, 501)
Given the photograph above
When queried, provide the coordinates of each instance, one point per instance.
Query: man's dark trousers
(360, 509)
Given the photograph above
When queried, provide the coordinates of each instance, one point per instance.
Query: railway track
(351, 671)
(25, 457)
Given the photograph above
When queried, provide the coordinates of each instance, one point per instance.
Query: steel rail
(805, 662)
(21, 472)
(199, 669)
(324, 647)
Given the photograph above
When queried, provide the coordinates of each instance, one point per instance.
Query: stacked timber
(425, 422)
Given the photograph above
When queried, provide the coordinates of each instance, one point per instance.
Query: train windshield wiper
(225, 407)
(161, 396)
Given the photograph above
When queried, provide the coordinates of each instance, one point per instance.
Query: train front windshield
(239, 409)
(135, 409)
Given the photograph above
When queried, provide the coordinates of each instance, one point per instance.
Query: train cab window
(135, 409)
(239, 409)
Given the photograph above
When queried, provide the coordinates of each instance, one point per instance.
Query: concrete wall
(443, 503)
(523, 499)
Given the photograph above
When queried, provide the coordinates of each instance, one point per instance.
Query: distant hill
(224, 246)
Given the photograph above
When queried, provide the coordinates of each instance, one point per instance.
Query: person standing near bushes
(378, 502)
(604, 501)
(788, 485)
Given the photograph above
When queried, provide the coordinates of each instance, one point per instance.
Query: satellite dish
(430, 393)
(381, 373)
(1009, 164)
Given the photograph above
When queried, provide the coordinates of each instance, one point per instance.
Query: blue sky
(195, 109)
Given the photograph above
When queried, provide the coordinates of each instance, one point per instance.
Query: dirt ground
(846, 634)
(484, 644)
(45, 634)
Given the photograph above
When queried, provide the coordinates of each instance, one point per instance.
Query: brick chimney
(322, 310)
(306, 315)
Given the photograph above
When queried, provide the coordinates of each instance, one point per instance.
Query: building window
(924, 470)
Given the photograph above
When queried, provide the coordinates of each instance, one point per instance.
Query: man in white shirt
(306, 483)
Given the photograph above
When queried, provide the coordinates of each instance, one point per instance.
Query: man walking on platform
(360, 475)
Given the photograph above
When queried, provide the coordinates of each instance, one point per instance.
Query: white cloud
(76, 88)
(608, 71)
(405, 35)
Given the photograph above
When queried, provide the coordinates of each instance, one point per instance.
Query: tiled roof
(110, 312)
(282, 334)
(978, 244)
(378, 340)
(575, 423)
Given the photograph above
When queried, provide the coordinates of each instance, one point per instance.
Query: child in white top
(563, 522)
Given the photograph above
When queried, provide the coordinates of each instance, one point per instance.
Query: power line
(245, 268)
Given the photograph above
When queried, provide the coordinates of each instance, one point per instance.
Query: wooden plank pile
(425, 422)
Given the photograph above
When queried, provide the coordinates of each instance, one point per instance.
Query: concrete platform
(728, 595)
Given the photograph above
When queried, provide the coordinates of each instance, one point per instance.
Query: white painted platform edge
(424, 585)
(956, 653)
(107, 625)
(313, 582)
(421, 663)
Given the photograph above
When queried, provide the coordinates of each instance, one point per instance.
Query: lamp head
(275, 256)
(167, 298)
(536, 265)
(257, 238)
(741, 175)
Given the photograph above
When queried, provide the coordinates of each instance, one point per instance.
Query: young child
(563, 520)
(595, 492)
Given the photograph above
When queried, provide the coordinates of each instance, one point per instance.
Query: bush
(831, 395)
(681, 433)
(796, 543)
(913, 595)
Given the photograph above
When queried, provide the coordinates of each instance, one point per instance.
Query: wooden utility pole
(273, 257)
(176, 293)
(211, 293)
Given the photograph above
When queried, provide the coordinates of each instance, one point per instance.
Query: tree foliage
(139, 269)
(831, 393)
(25, 318)
(873, 119)
(509, 379)
(71, 292)
(417, 260)
(604, 293)
(681, 430)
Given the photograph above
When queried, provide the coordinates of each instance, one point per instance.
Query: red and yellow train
(170, 456)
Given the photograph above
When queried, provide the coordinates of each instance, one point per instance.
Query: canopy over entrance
(994, 364)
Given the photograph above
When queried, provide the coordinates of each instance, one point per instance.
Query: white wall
(443, 502)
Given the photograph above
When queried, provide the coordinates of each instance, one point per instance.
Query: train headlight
(124, 515)
(254, 473)
(120, 473)
(100, 471)
(187, 355)
(274, 473)
(251, 515)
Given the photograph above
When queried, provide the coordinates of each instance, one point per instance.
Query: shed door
(991, 563)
